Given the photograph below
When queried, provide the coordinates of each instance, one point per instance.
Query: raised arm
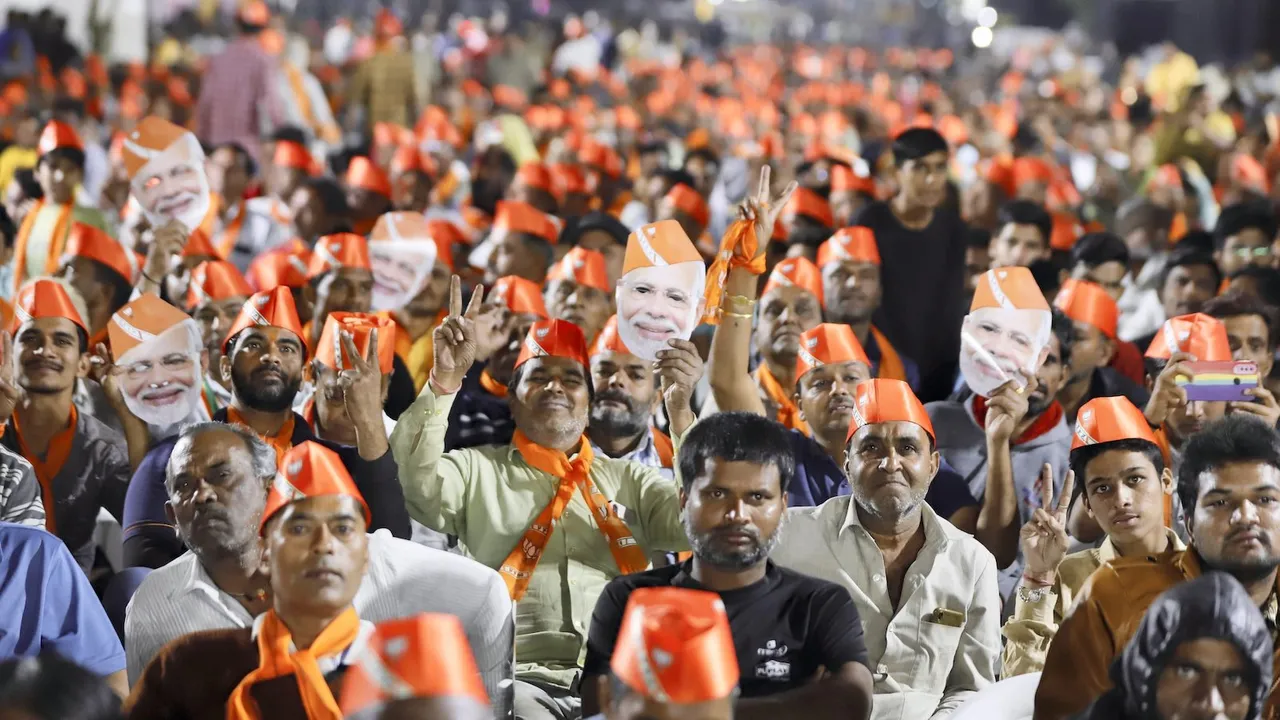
(997, 526)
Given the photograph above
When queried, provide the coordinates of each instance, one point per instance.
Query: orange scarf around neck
(277, 657)
(492, 386)
(227, 239)
(280, 442)
(574, 475)
(788, 412)
(891, 365)
(48, 467)
(56, 243)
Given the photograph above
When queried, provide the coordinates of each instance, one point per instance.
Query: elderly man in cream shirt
(926, 591)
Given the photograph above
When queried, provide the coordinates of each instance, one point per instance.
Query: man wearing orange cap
(102, 271)
(42, 236)
(660, 293)
(502, 500)
(214, 298)
(310, 633)
(412, 177)
(80, 463)
(238, 88)
(1126, 487)
(786, 629)
(368, 193)
(291, 163)
(807, 221)
(603, 169)
(1103, 259)
(1181, 340)
(536, 185)
(419, 667)
(851, 292)
(1227, 474)
(1095, 317)
(684, 205)
(908, 570)
(578, 290)
(852, 188)
(1023, 229)
(520, 243)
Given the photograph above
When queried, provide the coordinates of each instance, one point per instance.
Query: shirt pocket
(937, 653)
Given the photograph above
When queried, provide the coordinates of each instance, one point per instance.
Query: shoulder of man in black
(833, 617)
(606, 619)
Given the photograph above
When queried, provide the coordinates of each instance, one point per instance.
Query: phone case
(1220, 381)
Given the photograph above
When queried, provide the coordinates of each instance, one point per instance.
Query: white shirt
(403, 579)
(921, 668)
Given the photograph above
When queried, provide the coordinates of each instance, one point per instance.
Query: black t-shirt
(785, 627)
(922, 274)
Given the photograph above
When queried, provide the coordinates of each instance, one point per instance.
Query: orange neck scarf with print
(56, 244)
(574, 476)
(48, 467)
(280, 442)
(788, 412)
(277, 657)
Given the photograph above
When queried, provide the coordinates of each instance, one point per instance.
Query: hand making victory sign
(455, 340)
(764, 208)
(1044, 537)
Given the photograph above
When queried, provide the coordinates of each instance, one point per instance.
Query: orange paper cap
(41, 298)
(423, 656)
(584, 267)
(520, 217)
(796, 272)
(309, 470)
(609, 340)
(675, 646)
(362, 173)
(339, 250)
(199, 245)
(361, 327)
(658, 244)
(1010, 288)
(408, 158)
(521, 296)
(58, 135)
(1198, 334)
(828, 344)
(690, 202)
(445, 235)
(880, 401)
(215, 281)
(599, 155)
(279, 268)
(152, 136)
(87, 241)
(857, 244)
(539, 176)
(810, 204)
(1087, 302)
(1108, 419)
(555, 338)
(139, 321)
(844, 179)
(292, 155)
(270, 308)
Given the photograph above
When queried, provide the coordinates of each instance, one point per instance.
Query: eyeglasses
(174, 362)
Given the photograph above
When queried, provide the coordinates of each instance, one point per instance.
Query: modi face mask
(1005, 336)
(172, 184)
(660, 294)
(160, 377)
(401, 256)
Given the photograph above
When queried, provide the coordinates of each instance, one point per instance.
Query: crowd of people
(620, 377)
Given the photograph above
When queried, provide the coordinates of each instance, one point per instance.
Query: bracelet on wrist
(738, 306)
(438, 387)
(1040, 581)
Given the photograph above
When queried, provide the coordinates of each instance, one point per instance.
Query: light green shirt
(488, 497)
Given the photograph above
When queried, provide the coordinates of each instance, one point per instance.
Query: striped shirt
(237, 89)
(20, 501)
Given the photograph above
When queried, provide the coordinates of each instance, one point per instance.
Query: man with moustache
(214, 298)
(578, 290)
(79, 462)
(791, 305)
(787, 628)
(264, 356)
(217, 481)
(926, 592)
(506, 502)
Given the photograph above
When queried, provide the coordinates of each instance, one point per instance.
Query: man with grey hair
(217, 479)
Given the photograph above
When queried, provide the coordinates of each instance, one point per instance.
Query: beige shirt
(921, 668)
(1032, 626)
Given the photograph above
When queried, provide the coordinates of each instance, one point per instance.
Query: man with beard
(578, 290)
(926, 592)
(626, 398)
(1191, 278)
(1229, 486)
(217, 483)
(788, 629)
(1094, 315)
(480, 414)
(506, 502)
(80, 462)
(214, 298)
(851, 292)
(520, 243)
(264, 356)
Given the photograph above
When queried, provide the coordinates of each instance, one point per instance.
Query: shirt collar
(935, 534)
(329, 663)
(641, 454)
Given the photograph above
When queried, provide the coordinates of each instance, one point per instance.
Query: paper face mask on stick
(401, 255)
(166, 173)
(1005, 336)
(157, 360)
(660, 293)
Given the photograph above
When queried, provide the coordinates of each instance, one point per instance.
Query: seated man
(1250, 324)
(368, 193)
(264, 357)
(787, 628)
(422, 313)
(1126, 487)
(350, 341)
(926, 592)
(217, 481)
(851, 293)
(80, 463)
(1227, 483)
(1242, 237)
(808, 222)
(214, 298)
(578, 290)
(102, 271)
(52, 608)
(1094, 315)
(501, 500)
(536, 185)
(1103, 259)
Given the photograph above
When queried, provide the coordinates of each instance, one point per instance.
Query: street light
(982, 37)
(987, 16)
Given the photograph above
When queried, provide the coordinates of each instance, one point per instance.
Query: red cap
(1198, 334)
(675, 646)
(1086, 302)
(58, 135)
(828, 344)
(361, 327)
(87, 241)
(309, 470)
(271, 308)
(338, 251)
(216, 280)
(1109, 419)
(796, 272)
(42, 298)
(583, 267)
(880, 401)
(852, 243)
(521, 296)
(362, 173)
(556, 338)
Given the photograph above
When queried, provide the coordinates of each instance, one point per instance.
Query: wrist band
(738, 305)
(441, 389)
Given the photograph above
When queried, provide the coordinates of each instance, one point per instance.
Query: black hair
(650, 147)
(289, 133)
(332, 196)
(121, 287)
(75, 155)
(1236, 438)
(677, 176)
(809, 234)
(69, 106)
(977, 238)
(50, 687)
(242, 155)
(1187, 257)
(539, 246)
(1026, 212)
(1065, 331)
(1141, 215)
(1099, 248)
(1267, 279)
(736, 437)
(518, 374)
(1085, 454)
(1048, 275)
(1235, 303)
(575, 228)
(26, 179)
(1198, 240)
(705, 153)
(1237, 218)
(8, 231)
(246, 28)
(918, 143)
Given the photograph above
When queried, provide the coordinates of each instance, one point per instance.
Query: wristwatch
(1032, 594)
